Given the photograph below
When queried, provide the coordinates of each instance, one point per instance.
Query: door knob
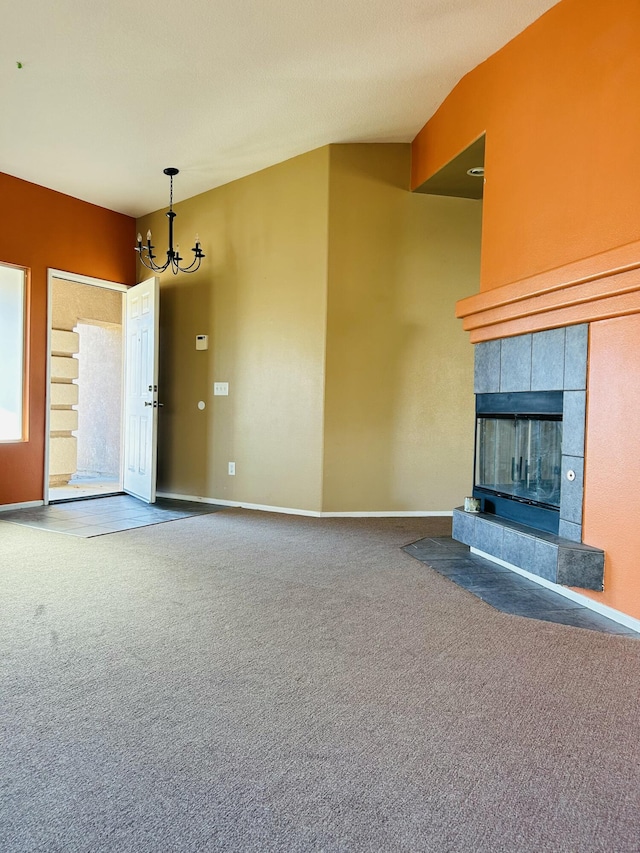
(147, 403)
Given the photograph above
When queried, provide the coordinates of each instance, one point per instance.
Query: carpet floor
(242, 681)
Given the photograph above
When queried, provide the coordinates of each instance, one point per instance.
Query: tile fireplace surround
(554, 360)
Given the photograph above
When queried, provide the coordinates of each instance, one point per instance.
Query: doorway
(84, 438)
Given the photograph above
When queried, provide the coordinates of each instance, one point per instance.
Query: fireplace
(530, 457)
(518, 456)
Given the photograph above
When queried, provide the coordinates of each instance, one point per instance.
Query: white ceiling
(111, 92)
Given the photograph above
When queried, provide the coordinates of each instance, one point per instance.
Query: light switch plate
(221, 389)
(202, 341)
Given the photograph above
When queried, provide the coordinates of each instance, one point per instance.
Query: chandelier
(173, 255)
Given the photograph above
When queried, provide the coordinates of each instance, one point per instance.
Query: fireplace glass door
(520, 458)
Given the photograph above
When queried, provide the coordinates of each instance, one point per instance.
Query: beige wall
(71, 301)
(260, 295)
(396, 377)
(399, 382)
(99, 399)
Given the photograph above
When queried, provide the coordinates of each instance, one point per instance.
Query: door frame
(77, 279)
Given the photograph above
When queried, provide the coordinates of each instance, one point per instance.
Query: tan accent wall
(399, 383)
(386, 357)
(260, 295)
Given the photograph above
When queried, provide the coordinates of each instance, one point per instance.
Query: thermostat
(202, 341)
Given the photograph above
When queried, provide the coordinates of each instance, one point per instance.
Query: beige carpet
(252, 682)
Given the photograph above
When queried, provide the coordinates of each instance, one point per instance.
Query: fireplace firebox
(518, 456)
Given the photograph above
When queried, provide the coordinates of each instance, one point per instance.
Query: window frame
(25, 376)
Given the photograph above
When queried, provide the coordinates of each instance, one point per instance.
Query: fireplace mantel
(584, 291)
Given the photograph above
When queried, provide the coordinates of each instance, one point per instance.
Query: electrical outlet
(232, 469)
(221, 389)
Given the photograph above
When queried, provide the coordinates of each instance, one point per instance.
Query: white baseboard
(417, 513)
(584, 600)
(24, 505)
(237, 504)
(174, 497)
(307, 512)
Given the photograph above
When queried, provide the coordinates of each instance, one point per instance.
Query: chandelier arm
(192, 264)
(150, 265)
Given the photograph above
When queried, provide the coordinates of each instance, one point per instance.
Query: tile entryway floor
(506, 590)
(97, 516)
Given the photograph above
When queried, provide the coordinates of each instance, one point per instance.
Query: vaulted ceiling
(110, 93)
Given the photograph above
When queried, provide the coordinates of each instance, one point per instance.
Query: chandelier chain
(173, 255)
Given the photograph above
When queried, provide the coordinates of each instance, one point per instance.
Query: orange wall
(559, 105)
(40, 228)
(561, 229)
(613, 465)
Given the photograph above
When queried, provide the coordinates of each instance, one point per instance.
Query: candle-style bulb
(149, 235)
(139, 238)
(197, 240)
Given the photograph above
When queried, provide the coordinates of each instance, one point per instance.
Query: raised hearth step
(551, 557)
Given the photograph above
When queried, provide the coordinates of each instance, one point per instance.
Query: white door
(141, 390)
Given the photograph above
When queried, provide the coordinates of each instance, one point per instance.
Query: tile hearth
(505, 590)
(551, 557)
